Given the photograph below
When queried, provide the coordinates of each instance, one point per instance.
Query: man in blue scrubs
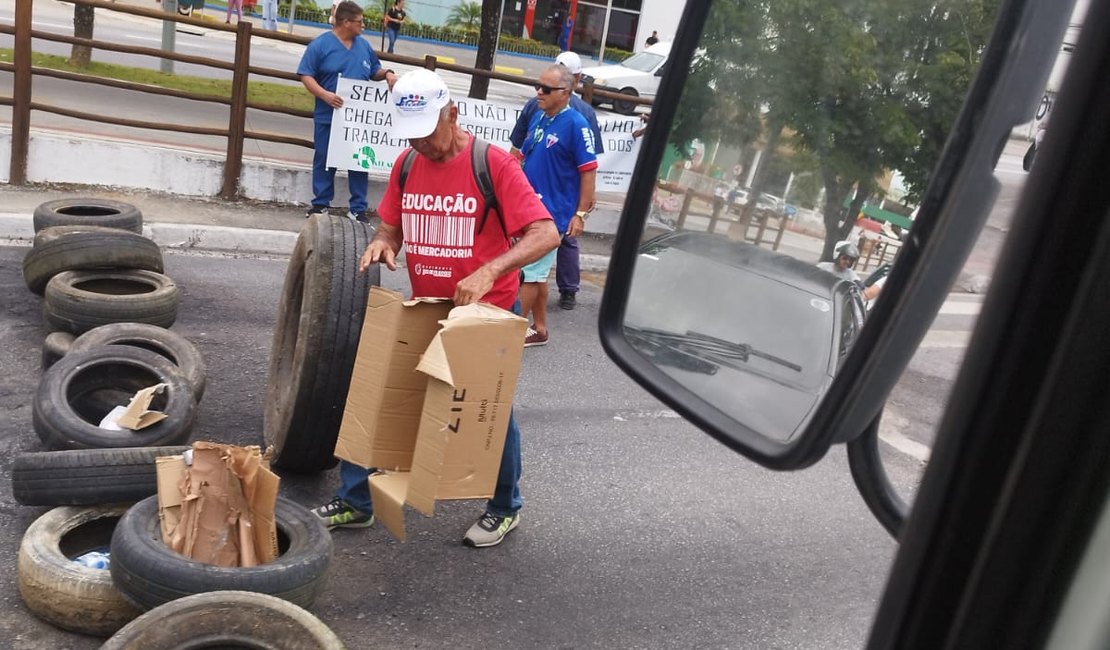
(342, 51)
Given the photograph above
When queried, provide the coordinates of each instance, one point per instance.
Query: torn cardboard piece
(137, 416)
(220, 508)
(470, 368)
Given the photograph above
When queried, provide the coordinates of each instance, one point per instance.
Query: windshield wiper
(703, 347)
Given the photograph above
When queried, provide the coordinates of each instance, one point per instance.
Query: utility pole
(169, 35)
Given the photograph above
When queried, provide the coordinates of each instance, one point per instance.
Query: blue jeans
(567, 271)
(391, 36)
(323, 178)
(506, 500)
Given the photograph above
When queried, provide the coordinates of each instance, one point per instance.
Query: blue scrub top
(326, 58)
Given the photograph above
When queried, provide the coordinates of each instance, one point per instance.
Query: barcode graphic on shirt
(438, 230)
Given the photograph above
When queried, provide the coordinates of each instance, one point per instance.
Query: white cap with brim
(417, 98)
(570, 61)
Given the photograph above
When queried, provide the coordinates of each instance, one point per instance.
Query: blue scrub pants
(323, 177)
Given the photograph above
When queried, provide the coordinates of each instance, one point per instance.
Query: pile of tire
(144, 574)
(102, 483)
(105, 296)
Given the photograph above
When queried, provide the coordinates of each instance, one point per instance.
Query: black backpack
(479, 165)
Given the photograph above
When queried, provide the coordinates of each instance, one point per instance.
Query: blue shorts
(539, 270)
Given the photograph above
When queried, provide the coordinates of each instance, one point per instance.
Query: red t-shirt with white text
(439, 216)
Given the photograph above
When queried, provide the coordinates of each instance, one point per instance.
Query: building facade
(589, 27)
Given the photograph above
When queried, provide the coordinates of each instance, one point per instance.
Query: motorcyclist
(841, 266)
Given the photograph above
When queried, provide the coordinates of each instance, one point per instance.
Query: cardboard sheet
(220, 508)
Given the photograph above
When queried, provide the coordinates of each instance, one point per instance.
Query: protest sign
(361, 140)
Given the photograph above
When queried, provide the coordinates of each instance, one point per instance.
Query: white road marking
(890, 432)
(951, 339)
(961, 308)
(663, 414)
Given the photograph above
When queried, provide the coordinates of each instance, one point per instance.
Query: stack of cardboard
(430, 399)
(217, 507)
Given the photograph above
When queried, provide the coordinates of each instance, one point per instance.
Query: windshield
(770, 315)
(643, 62)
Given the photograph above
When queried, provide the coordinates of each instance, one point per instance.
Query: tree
(487, 46)
(863, 85)
(466, 15)
(80, 55)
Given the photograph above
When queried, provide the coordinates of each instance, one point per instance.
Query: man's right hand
(378, 251)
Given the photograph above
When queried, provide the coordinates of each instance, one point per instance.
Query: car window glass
(803, 131)
(643, 62)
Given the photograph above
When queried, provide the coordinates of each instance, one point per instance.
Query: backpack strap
(479, 164)
(406, 167)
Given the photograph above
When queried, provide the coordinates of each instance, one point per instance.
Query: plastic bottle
(95, 559)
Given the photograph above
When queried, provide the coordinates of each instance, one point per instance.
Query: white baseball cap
(570, 61)
(417, 98)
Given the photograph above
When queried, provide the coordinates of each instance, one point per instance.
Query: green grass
(259, 92)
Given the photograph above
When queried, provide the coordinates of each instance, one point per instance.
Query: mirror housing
(955, 206)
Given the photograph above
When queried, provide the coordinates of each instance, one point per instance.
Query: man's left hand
(473, 287)
(577, 226)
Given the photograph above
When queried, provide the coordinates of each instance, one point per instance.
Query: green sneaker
(337, 514)
(490, 530)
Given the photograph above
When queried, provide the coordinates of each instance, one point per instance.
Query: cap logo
(412, 102)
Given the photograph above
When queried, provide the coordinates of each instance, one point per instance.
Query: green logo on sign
(365, 157)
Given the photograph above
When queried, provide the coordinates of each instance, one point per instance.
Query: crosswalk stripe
(946, 339)
(960, 308)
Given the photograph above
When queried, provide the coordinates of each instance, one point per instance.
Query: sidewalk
(213, 225)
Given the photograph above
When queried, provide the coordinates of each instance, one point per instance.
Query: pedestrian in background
(567, 265)
(560, 163)
(653, 39)
(481, 263)
(269, 15)
(394, 18)
(341, 51)
(237, 7)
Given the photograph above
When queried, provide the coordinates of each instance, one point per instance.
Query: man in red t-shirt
(451, 253)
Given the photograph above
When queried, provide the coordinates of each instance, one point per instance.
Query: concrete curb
(17, 227)
(179, 236)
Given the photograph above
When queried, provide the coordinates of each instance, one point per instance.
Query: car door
(1007, 543)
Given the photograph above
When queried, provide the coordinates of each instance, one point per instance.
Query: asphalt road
(638, 530)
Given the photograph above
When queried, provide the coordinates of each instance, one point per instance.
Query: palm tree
(467, 15)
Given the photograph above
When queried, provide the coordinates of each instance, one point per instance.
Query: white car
(638, 76)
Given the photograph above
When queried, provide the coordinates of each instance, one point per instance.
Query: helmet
(848, 250)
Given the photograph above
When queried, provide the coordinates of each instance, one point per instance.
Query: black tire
(87, 477)
(623, 107)
(77, 248)
(54, 347)
(167, 343)
(62, 423)
(88, 212)
(149, 573)
(225, 619)
(315, 340)
(62, 592)
(77, 301)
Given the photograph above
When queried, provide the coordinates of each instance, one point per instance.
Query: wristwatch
(583, 215)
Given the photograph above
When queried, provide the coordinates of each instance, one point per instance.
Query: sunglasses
(361, 21)
(547, 90)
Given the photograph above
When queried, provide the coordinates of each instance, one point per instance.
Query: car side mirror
(730, 313)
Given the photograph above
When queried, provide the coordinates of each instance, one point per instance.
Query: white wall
(661, 16)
